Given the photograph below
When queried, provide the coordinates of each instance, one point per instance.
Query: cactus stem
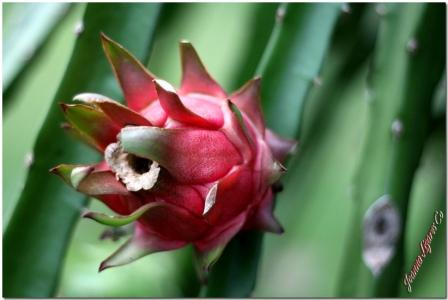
(29, 159)
(79, 28)
(412, 45)
(317, 81)
(346, 8)
(381, 10)
(397, 128)
(280, 14)
(393, 170)
(273, 40)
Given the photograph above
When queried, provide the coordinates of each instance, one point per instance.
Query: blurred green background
(316, 205)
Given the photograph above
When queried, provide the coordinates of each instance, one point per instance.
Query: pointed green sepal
(119, 220)
(85, 180)
(141, 244)
(74, 132)
(72, 174)
(78, 174)
(126, 254)
(120, 114)
(205, 260)
(92, 123)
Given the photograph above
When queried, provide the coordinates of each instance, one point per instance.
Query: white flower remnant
(125, 167)
(381, 229)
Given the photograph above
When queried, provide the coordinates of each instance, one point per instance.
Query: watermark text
(425, 249)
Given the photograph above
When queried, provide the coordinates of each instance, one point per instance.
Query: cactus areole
(186, 166)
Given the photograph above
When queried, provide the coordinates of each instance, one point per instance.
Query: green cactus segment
(292, 61)
(407, 66)
(31, 233)
(33, 22)
(428, 196)
(428, 59)
(134, 78)
(116, 221)
(30, 97)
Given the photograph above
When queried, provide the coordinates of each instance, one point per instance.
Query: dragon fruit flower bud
(187, 166)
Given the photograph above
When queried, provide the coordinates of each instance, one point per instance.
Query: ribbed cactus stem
(292, 61)
(273, 40)
(407, 66)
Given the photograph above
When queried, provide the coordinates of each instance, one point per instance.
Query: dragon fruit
(187, 166)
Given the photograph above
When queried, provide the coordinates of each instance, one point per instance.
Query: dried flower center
(138, 164)
(135, 172)
(381, 225)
